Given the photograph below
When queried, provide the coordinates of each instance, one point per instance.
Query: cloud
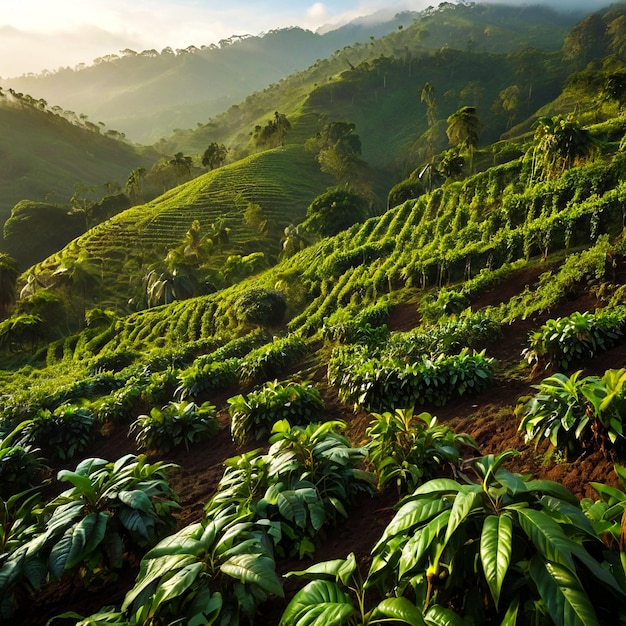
(317, 12)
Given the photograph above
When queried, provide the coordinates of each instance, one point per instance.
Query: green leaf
(418, 544)
(464, 502)
(86, 536)
(566, 601)
(547, 536)
(136, 499)
(82, 483)
(441, 616)
(338, 569)
(402, 610)
(496, 544)
(256, 569)
(320, 603)
(177, 584)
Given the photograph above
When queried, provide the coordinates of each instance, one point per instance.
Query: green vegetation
(506, 217)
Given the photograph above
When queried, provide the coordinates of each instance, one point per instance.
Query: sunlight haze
(40, 34)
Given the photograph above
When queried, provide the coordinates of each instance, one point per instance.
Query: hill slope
(44, 156)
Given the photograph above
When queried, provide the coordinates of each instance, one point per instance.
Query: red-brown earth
(488, 417)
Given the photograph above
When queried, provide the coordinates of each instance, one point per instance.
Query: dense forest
(350, 351)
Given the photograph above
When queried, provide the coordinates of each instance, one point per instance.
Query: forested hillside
(362, 370)
(146, 94)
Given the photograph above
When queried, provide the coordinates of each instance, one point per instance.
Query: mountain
(148, 94)
(45, 156)
(423, 413)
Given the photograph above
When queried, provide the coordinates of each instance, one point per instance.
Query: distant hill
(148, 94)
(44, 156)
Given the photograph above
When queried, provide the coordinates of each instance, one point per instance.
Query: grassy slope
(282, 181)
(43, 155)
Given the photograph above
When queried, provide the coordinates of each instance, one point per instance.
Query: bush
(110, 509)
(575, 413)
(271, 360)
(385, 383)
(255, 413)
(575, 338)
(176, 423)
(261, 306)
(408, 449)
(60, 434)
(207, 378)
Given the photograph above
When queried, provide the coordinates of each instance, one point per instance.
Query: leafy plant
(261, 306)
(20, 465)
(209, 572)
(579, 336)
(271, 360)
(257, 412)
(407, 449)
(574, 412)
(110, 509)
(505, 549)
(207, 378)
(175, 423)
(60, 434)
(387, 383)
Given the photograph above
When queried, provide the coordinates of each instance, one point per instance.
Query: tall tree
(214, 155)
(463, 130)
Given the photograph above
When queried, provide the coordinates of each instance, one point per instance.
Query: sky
(48, 34)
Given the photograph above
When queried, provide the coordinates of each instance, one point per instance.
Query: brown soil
(488, 417)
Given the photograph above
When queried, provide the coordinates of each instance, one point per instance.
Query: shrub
(385, 383)
(110, 509)
(236, 348)
(20, 466)
(271, 360)
(60, 434)
(257, 412)
(261, 306)
(408, 449)
(207, 378)
(175, 423)
(574, 412)
(474, 331)
(575, 338)
(504, 549)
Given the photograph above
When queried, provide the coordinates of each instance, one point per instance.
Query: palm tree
(133, 184)
(282, 126)
(463, 130)
(559, 143)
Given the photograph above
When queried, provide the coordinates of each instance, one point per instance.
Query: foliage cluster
(407, 449)
(271, 360)
(110, 510)
(256, 412)
(579, 336)
(173, 424)
(576, 413)
(386, 383)
(472, 330)
(499, 548)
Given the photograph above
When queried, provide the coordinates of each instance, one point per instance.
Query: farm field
(488, 417)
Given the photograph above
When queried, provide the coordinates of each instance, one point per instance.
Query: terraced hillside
(282, 182)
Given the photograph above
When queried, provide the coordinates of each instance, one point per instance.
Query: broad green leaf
(464, 503)
(86, 536)
(338, 569)
(496, 545)
(205, 609)
(438, 485)
(510, 617)
(58, 555)
(565, 600)
(547, 537)
(136, 499)
(418, 544)
(177, 584)
(401, 610)
(442, 616)
(319, 599)
(414, 513)
(254, 568)
(552, 488)
(82, 483)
